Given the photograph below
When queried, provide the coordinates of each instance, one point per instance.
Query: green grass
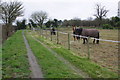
(14, 57)
(51, 66)
(104, 54)
(94, 70)
(0, 61)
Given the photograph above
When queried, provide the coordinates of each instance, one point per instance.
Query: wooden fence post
(40, 32)
(46, 33)
(43, 33)
(57, 37)
(88, 48)
(68, 41)
(51, 36)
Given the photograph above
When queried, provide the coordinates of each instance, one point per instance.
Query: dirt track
(71, 66)
(34, 67)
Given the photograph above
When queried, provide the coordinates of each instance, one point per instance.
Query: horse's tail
(98, 38)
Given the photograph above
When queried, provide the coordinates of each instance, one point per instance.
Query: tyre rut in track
(34, 67)
(71, 66)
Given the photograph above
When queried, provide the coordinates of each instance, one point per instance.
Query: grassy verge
(0, 61)
(14, 57)
(51, 66)
(94, 70)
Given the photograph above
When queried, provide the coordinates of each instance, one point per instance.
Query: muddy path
(36, 71)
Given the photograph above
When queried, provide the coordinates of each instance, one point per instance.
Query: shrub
(107, 26)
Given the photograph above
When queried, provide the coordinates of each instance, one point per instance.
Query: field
(104, 54)
(52, 58)
(89, 67)
(51, 66)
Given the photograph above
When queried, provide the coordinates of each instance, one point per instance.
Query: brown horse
(86, 32)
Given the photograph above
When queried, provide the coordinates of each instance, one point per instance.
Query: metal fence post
(68, 41)
(88, 48)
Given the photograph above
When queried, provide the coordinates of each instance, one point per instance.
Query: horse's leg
(86, 40)
(94, 41)
(78, 38)
(83, 40)
(98, 38)
(74, 38)
(97, 42)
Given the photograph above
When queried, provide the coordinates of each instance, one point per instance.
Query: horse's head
(74, 28)
(78, 31)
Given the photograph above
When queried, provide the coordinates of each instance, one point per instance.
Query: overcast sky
(68, 9)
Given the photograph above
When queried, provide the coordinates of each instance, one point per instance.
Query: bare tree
(0, 10)
(39, 17)
(10, 11)
(100, 13)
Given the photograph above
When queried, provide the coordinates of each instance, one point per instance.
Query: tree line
(113, 22)
(9, 11)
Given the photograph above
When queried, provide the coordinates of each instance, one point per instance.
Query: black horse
(86, 32)
(53, 31)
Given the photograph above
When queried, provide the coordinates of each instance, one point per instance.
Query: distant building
(119, 9)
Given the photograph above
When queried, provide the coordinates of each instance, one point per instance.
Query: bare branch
(100, 11)
(39, 17)
(10, 11)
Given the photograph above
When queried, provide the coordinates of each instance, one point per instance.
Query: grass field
(14, 57)
(15, 60)
(104, 54)
(94, 70)
(51, 66)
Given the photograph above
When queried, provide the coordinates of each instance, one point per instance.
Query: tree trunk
(8, 30)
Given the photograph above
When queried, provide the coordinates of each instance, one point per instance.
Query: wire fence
(105, 53)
